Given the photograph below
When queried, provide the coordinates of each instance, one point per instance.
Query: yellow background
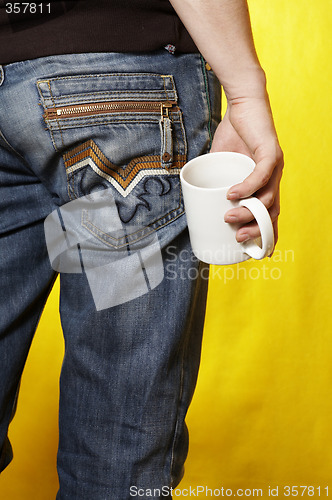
(262, 412)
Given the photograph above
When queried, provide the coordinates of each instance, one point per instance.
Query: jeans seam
(12, 149)
(71, 77)
(102, 93)
(206, 86)
(82, 123)
(44, 106)
(186, 341)
(2, 75)
(177, 418)
(52, 97)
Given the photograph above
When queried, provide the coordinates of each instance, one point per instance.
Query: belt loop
(2, 75)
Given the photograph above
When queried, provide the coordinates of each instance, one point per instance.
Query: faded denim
(129, 371)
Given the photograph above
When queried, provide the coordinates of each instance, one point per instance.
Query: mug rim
(215, 153)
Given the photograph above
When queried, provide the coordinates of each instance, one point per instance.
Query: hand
(248, 128)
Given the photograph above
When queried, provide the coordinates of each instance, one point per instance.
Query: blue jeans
(72, 126)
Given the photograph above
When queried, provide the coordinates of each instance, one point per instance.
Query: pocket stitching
(173, 213)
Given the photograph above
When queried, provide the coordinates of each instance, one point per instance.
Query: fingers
(268, 193)
(259, 178)
(251, 230)
(269, 196)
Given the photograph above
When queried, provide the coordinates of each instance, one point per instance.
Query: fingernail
(231, 218)
(243, 237)
(232, 195)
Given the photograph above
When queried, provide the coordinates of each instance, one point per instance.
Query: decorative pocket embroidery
(124, 131)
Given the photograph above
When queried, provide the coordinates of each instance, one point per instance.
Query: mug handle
(263, 219)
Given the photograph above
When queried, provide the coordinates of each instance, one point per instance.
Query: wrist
(247, 82)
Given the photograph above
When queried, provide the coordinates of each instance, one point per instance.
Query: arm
(222, 32)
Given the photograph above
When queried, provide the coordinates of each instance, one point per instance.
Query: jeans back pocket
(122, 131)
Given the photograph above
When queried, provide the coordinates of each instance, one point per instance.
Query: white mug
(205, 181)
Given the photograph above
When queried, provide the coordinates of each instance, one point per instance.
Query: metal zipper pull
(166, 155)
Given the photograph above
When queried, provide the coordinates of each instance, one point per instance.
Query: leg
(26, 277)
(129, 370)
(127, 380)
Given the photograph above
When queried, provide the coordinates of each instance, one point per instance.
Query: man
(111, 98)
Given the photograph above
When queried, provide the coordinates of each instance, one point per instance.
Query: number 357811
(27, 8)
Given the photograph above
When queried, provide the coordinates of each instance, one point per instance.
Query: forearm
(222, 32)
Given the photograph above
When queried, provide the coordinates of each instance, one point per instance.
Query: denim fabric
(129, 371)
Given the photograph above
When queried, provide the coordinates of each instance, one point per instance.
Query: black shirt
(29, 30)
